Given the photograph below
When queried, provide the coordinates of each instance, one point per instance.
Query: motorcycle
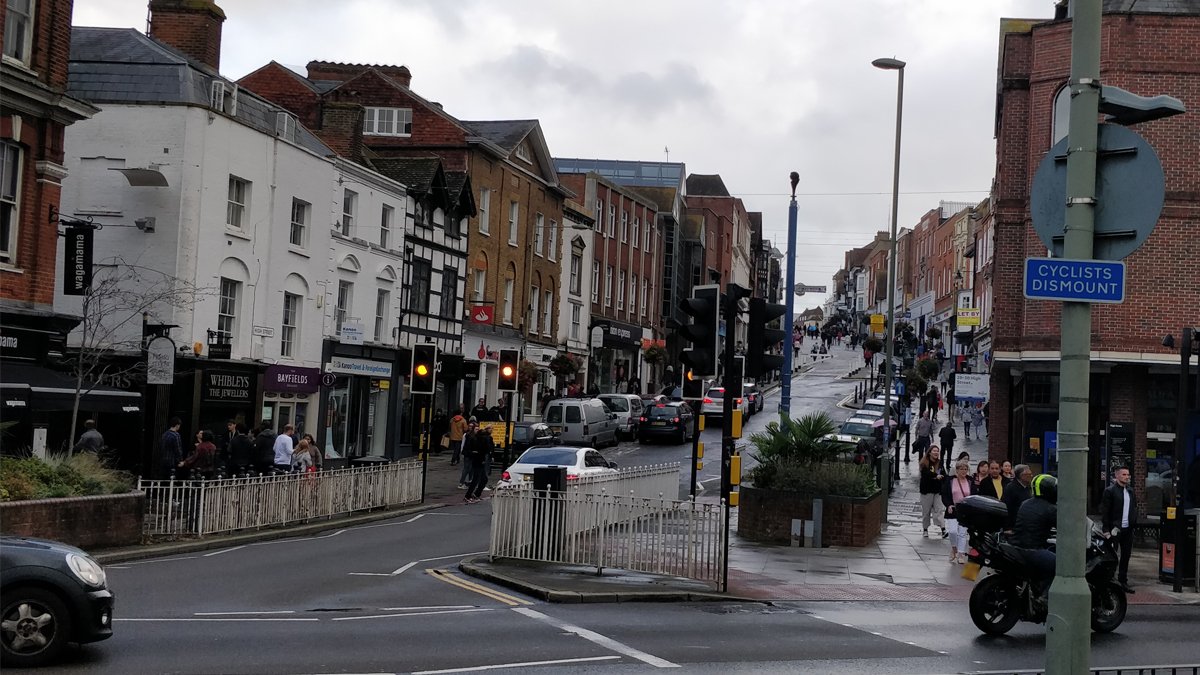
(1013, 592)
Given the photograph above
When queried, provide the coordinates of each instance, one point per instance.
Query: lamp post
(889, 333)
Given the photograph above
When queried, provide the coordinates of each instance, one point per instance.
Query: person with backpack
(264, 449)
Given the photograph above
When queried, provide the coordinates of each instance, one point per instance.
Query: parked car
(581, 421)
(852, 431)
(673, 421)
(757, 401)
(52, 594)
(878, 404)
(628, 409)
(530, 434)
(714, 401)
(578, 462)
(870, 413)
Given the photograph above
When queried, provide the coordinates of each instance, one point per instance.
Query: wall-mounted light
(145, 224)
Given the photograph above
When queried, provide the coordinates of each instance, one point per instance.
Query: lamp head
(889, 64)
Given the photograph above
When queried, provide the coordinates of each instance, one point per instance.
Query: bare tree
(112, 312)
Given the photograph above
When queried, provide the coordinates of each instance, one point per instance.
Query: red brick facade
(191, 26)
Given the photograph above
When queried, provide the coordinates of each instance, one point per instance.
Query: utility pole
(785, 389)
(1068, 625)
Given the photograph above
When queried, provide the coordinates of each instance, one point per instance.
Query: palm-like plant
(801, 440)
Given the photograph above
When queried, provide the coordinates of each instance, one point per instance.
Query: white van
(628, 409)
(581, 421)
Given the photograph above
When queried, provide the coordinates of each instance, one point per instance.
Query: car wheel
(34, 627)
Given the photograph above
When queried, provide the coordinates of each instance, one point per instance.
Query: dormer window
(387, 122)
(285, 126)
(523, 153)
(223, 97)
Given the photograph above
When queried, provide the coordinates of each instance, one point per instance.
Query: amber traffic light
(508, 369)
(424, 368)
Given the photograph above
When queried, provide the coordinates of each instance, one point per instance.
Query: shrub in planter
(654, 354)
(914, 382)
(933, 333)
(77, 475)
(801, 441)
(928, 368)
(834, 479)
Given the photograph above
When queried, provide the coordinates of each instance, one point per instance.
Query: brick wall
(87, 522)
(1127, 403)
(766, 515)
(277, 84)
(31, 283)
(191, 26)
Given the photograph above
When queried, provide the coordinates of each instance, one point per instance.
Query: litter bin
(1177, 557)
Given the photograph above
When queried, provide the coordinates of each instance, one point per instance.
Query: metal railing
(660, 536)
(650, 481)
(201, 507)
(1188, 669)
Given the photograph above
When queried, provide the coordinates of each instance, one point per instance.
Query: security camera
(145, 224)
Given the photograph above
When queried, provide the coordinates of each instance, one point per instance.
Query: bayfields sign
(292, 379)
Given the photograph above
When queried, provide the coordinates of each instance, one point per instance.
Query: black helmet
(1046, 487)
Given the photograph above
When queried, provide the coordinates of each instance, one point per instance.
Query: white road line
(293, 540)
(405, 568)
(230, 620)
(405, 609)
(526, 664)
(278, 611)
(384, 616)
(227, 550)
(592, 636)
(369, 574)
(456, 555)
(416, 517)
(158, 560)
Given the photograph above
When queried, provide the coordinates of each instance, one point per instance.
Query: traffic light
(704, 309)
(693, 386)
(424, 369)
(509, 364)
(763, 340)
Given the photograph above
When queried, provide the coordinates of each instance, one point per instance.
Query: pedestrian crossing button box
(978, 512)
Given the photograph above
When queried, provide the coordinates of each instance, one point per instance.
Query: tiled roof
(417, 173)
(505, 133)
(121, 65)
(1153, 6)
(706, 185)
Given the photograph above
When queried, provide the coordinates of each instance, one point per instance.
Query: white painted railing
(650, 481)
(661, 536)
(183, 508)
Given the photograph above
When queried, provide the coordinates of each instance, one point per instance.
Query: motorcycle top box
(982, 513)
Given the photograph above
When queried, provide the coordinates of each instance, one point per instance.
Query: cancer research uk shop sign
(1074, 280)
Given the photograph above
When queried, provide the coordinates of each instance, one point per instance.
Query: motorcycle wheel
(993, 606)
(1108, 607)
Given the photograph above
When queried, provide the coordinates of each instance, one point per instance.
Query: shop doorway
(357, 417)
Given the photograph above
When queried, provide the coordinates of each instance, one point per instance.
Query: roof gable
(521, 142)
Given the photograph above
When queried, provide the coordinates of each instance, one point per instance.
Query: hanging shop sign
(77, 261)
(160, 361)
(292, 379)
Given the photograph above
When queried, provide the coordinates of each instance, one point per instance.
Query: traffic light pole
(728, 365)
(1068, 628)
(1186, 346)
(695, 449)
(785, 388)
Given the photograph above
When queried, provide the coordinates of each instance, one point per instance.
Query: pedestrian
(264, 449)
(224, 447)
(982, 472)
(170, 448)
(1006, 470)
(458, 427)
(439, 428)
(635, 385)
(983, 418)
(499, 412)
(90, 440)
(480, 411)
(947, 436)
(466, 474)
(478, 447)
(302, 458)
(965, 414)
(283, 449)
(924, 431)
(930, 487)
(203, 459)
(954, 491)
(1016, 493)
(993, 485)
(241, 451)
(318, 457)
(1118, 511)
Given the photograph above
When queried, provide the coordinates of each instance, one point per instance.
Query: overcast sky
(749, 89)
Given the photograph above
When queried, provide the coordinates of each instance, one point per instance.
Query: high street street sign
(1074, 280)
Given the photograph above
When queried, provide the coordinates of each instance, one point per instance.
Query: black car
(672, 421)
(52, 594)
(528, 434)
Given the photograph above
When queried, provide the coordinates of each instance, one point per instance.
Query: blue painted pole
(785, 402)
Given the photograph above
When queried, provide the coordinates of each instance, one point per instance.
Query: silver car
(581, 421)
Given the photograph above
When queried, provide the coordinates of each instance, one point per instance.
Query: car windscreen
(665, 412)
(521, 433)
(716, 393)
(617, 404)
(855, 429)
(552, 456)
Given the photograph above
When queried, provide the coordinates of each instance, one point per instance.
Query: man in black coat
(1118, 510)
(947, 436)
(1016, 492)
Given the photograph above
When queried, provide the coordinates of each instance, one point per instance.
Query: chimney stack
(191, 26)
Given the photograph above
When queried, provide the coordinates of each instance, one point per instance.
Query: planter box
(101, 521)
(766, 516)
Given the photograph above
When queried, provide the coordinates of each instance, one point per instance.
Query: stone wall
(766, 516)
(102, 521)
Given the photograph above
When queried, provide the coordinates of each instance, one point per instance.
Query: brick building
(1150, 47)
(728, 234)
(34, 112)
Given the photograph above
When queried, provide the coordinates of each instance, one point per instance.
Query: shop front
(483, 348)
(223, 392)
(289, 396)
(358, 409)
(617, 360)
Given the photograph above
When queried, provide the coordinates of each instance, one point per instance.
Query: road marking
(384, 616)
(278, 611)
(443, 575)
(407, 566)
(526, 664)
(416, 517)
(404, 568)
(227, 550)
(158, 560)
(230, 620)
(405, 609)
(592, 636)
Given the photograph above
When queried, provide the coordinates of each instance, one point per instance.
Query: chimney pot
(190, 26)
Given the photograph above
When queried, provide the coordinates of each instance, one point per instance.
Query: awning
(44, 389)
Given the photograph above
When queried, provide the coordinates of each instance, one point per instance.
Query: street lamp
(890, 332)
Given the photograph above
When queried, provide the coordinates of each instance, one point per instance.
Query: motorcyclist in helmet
(1036, 519)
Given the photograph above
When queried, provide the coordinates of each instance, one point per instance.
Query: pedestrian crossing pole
(785, 387)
